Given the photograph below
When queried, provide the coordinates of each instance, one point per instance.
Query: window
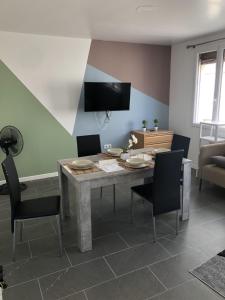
(222, 95)
(210, 87)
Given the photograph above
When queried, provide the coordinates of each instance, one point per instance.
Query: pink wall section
(147, 67)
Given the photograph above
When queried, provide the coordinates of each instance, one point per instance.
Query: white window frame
(220, 49)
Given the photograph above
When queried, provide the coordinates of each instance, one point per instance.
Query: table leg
(83, 211)
(64, 193)
(186, 191)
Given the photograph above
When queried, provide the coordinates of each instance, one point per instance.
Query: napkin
(109, 165)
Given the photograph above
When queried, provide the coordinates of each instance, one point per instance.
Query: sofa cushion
(219, 161)
(214, 174)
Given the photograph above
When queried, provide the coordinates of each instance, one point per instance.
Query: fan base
(5, 191)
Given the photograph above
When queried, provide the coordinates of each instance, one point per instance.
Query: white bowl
(135, 161)
(115, 151)
(82, 163)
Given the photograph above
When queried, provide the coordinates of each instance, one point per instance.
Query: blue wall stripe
(116, 132)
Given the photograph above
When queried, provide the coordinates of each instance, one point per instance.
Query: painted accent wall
(41, 93)
(51, 67)
(147, 67)
(45, 140)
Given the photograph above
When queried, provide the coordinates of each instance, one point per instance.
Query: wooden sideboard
(154, 139)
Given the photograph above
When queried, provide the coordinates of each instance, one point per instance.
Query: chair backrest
(88, 145)
(166, 184)
(11, 177)
(181, 142)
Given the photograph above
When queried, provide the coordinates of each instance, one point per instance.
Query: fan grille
(11, 140)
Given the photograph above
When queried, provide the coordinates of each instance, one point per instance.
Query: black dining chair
(91, 145)
(164, 192)
(180, 142)
(28, 209)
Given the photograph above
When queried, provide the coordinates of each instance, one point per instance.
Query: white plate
(135, 161)
(115, 151)
(144, 165)
(160, 150)
(82, 164)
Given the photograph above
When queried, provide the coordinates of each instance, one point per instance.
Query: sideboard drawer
(154, 139)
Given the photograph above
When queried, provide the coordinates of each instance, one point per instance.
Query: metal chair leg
(14, 243)
(200, 185)
(154, 228)
(114, 198)
(101, 192)
(21, 231)
(177, 222)
(59, 234)
(132, 207)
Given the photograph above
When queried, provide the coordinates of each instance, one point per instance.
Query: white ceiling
(116, 20)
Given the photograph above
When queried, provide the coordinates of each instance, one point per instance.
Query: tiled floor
(124, 263)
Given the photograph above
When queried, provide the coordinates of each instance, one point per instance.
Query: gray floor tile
(194, 236)
(174, 246)
(75, 279)
(216, 228)
(137, 285)
(26, 291)
(192, 290)
(38, 231)
(5, 213)
(34, 222)
(175, 270)
(43, 245)
(5, 225)
(101, 246)
(69, 238)
(34, 267)
(136, 257)
(111, 226)
(211, 248)
(5, 239)
(22, 251)
(77, 296)
(144, 233)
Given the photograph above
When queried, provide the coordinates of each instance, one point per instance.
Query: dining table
(84, 181)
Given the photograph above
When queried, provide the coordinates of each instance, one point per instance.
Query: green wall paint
(45, 140)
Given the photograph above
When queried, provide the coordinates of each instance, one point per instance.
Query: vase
(156, 128)
(144, 129)
(125, 155)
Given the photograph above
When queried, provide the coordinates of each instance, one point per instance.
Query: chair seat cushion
(36, 208)
(144, 190)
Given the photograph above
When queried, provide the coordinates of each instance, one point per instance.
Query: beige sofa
(208, 171)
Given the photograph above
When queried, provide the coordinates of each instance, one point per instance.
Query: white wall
(182, 89)
(52, 68)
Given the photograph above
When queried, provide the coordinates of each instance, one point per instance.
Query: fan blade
(13, 149)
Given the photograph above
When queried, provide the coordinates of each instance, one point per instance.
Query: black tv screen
(106, 96)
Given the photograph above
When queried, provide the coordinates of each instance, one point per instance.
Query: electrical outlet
(107, 146)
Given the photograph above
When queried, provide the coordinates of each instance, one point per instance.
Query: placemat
(123, 164)
(94, 169)
(105, 155)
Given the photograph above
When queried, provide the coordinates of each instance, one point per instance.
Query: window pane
(222, 98)
(206, 85)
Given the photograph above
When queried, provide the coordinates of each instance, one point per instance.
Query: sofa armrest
(206, 152)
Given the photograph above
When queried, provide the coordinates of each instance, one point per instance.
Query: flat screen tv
(106, 96)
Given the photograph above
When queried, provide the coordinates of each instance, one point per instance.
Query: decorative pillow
(219, 161)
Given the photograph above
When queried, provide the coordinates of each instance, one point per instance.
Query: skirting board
(35, 177)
